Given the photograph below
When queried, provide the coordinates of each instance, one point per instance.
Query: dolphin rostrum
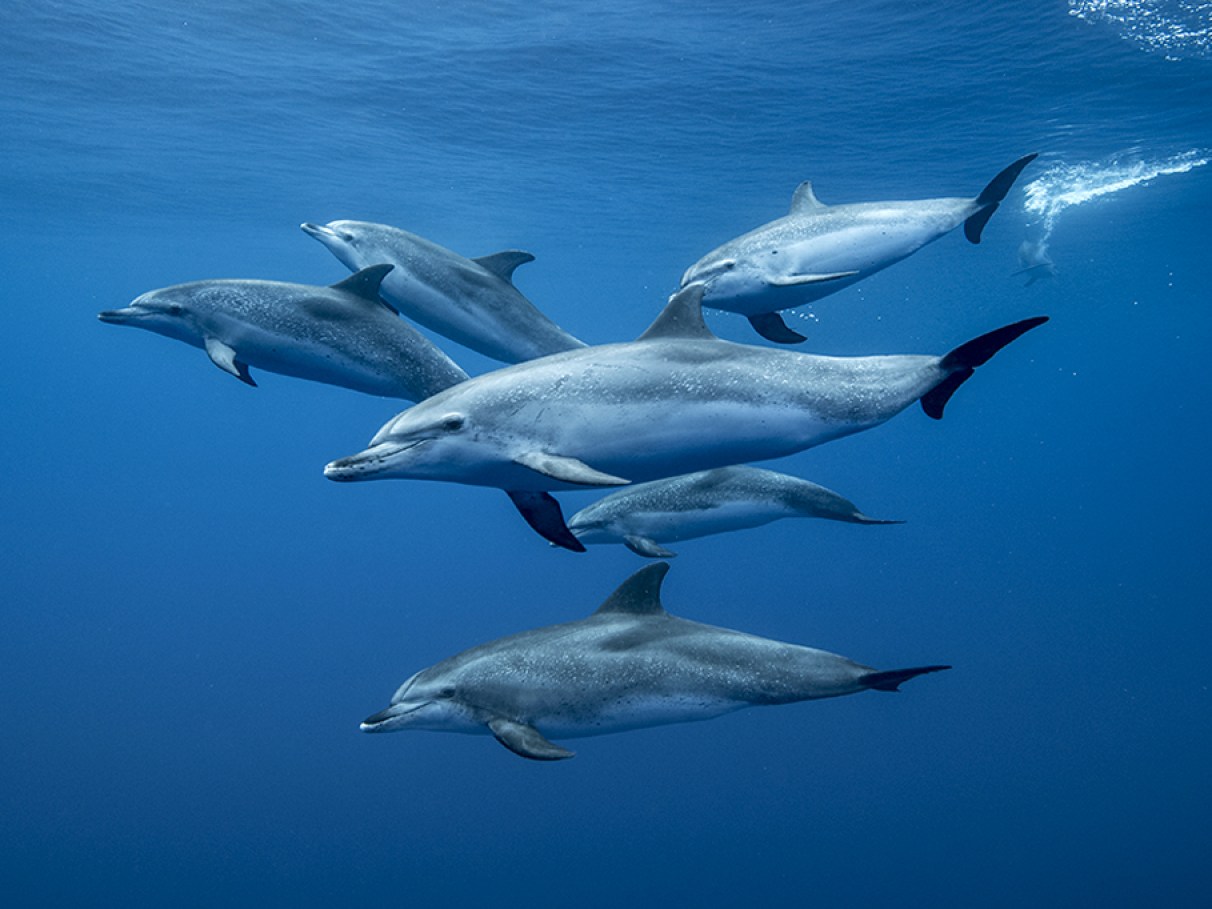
(343, 335)
(472, 301)
(675, 401)
(629, 665)
(817, 249)
(646, 515)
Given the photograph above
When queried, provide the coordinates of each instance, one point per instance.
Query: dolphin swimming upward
(645, 515)
(818, 249)
(629, 665)
(472, 301)
(342, 335)
(675, 401)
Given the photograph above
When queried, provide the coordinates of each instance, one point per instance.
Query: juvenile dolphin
(1035, 261)
(818, 249)
(677, 400)
(645, 515)
(343, 335)
(629, 665)
(472, 301)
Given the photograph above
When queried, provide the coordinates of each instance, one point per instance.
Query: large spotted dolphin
(472, 301)
(342, 335)
(629, 665)
(645, 515)
(817, 249)
(675, 401)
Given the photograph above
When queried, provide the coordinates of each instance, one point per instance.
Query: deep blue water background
(194, 620)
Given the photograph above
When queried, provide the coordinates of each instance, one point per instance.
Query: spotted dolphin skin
(675, 401)
(818, 249)
(342, 335)
(645, 515)
(628, 666)
(472, 301)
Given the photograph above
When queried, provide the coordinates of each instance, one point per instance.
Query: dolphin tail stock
(963, 361)
(543, 513)
(892, 679)
(991, 197)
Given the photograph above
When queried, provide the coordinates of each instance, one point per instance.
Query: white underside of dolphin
(675, 401)
(818, 249)
(629, 665)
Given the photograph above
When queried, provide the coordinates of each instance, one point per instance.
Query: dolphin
(627, 666)
(342, 335)
(817, 249)
(1035, 261)
(675, 401)
(472, 301)
(645, 515)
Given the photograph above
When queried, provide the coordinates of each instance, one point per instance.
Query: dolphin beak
(366, 465)
(384, 720)
(119, 316)
(321, 232)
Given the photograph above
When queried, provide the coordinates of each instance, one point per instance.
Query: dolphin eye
(447, 692)
(453, 422)
(174, 309)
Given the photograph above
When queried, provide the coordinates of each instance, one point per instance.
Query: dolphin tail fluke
(543, 513)
(991, 197)
(894, 678)
(770, 325)
(963, 361)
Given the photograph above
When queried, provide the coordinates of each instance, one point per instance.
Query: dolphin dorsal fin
(682, 317)
(365, 284)
(640, 594)
(804, 200)
(502, 264)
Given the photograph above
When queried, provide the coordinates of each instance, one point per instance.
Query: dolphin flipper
(992, 195)
(894, 678)
(543, 513)
(567, 470)
(648, 548)
(964, 360)
(526, 741)
(770, 325)
(224, 357)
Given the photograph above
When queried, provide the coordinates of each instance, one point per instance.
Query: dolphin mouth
(119, 316)
(382, 721)
(319, 231)
(365, 465)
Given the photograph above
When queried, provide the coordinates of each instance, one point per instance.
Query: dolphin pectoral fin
(992, 195)
(770, 325)
(894, 678)
(224, 357)
(649, 549)
(526, 741)
(963, 361)
(543, 513)
(792, 280)
(567, 470)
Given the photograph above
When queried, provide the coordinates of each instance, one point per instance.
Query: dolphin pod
(341, 335)
(645, 515)
(818, 249)
(629, 665)
(678, 412)
(676, 400)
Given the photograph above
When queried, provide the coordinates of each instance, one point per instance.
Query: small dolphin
(1035, 261)
(629, 665)
(818, 249)
(343, 335)
(644, 516)
(677, 400)
(472, 301)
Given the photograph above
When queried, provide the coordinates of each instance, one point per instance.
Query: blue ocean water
(194, 620)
